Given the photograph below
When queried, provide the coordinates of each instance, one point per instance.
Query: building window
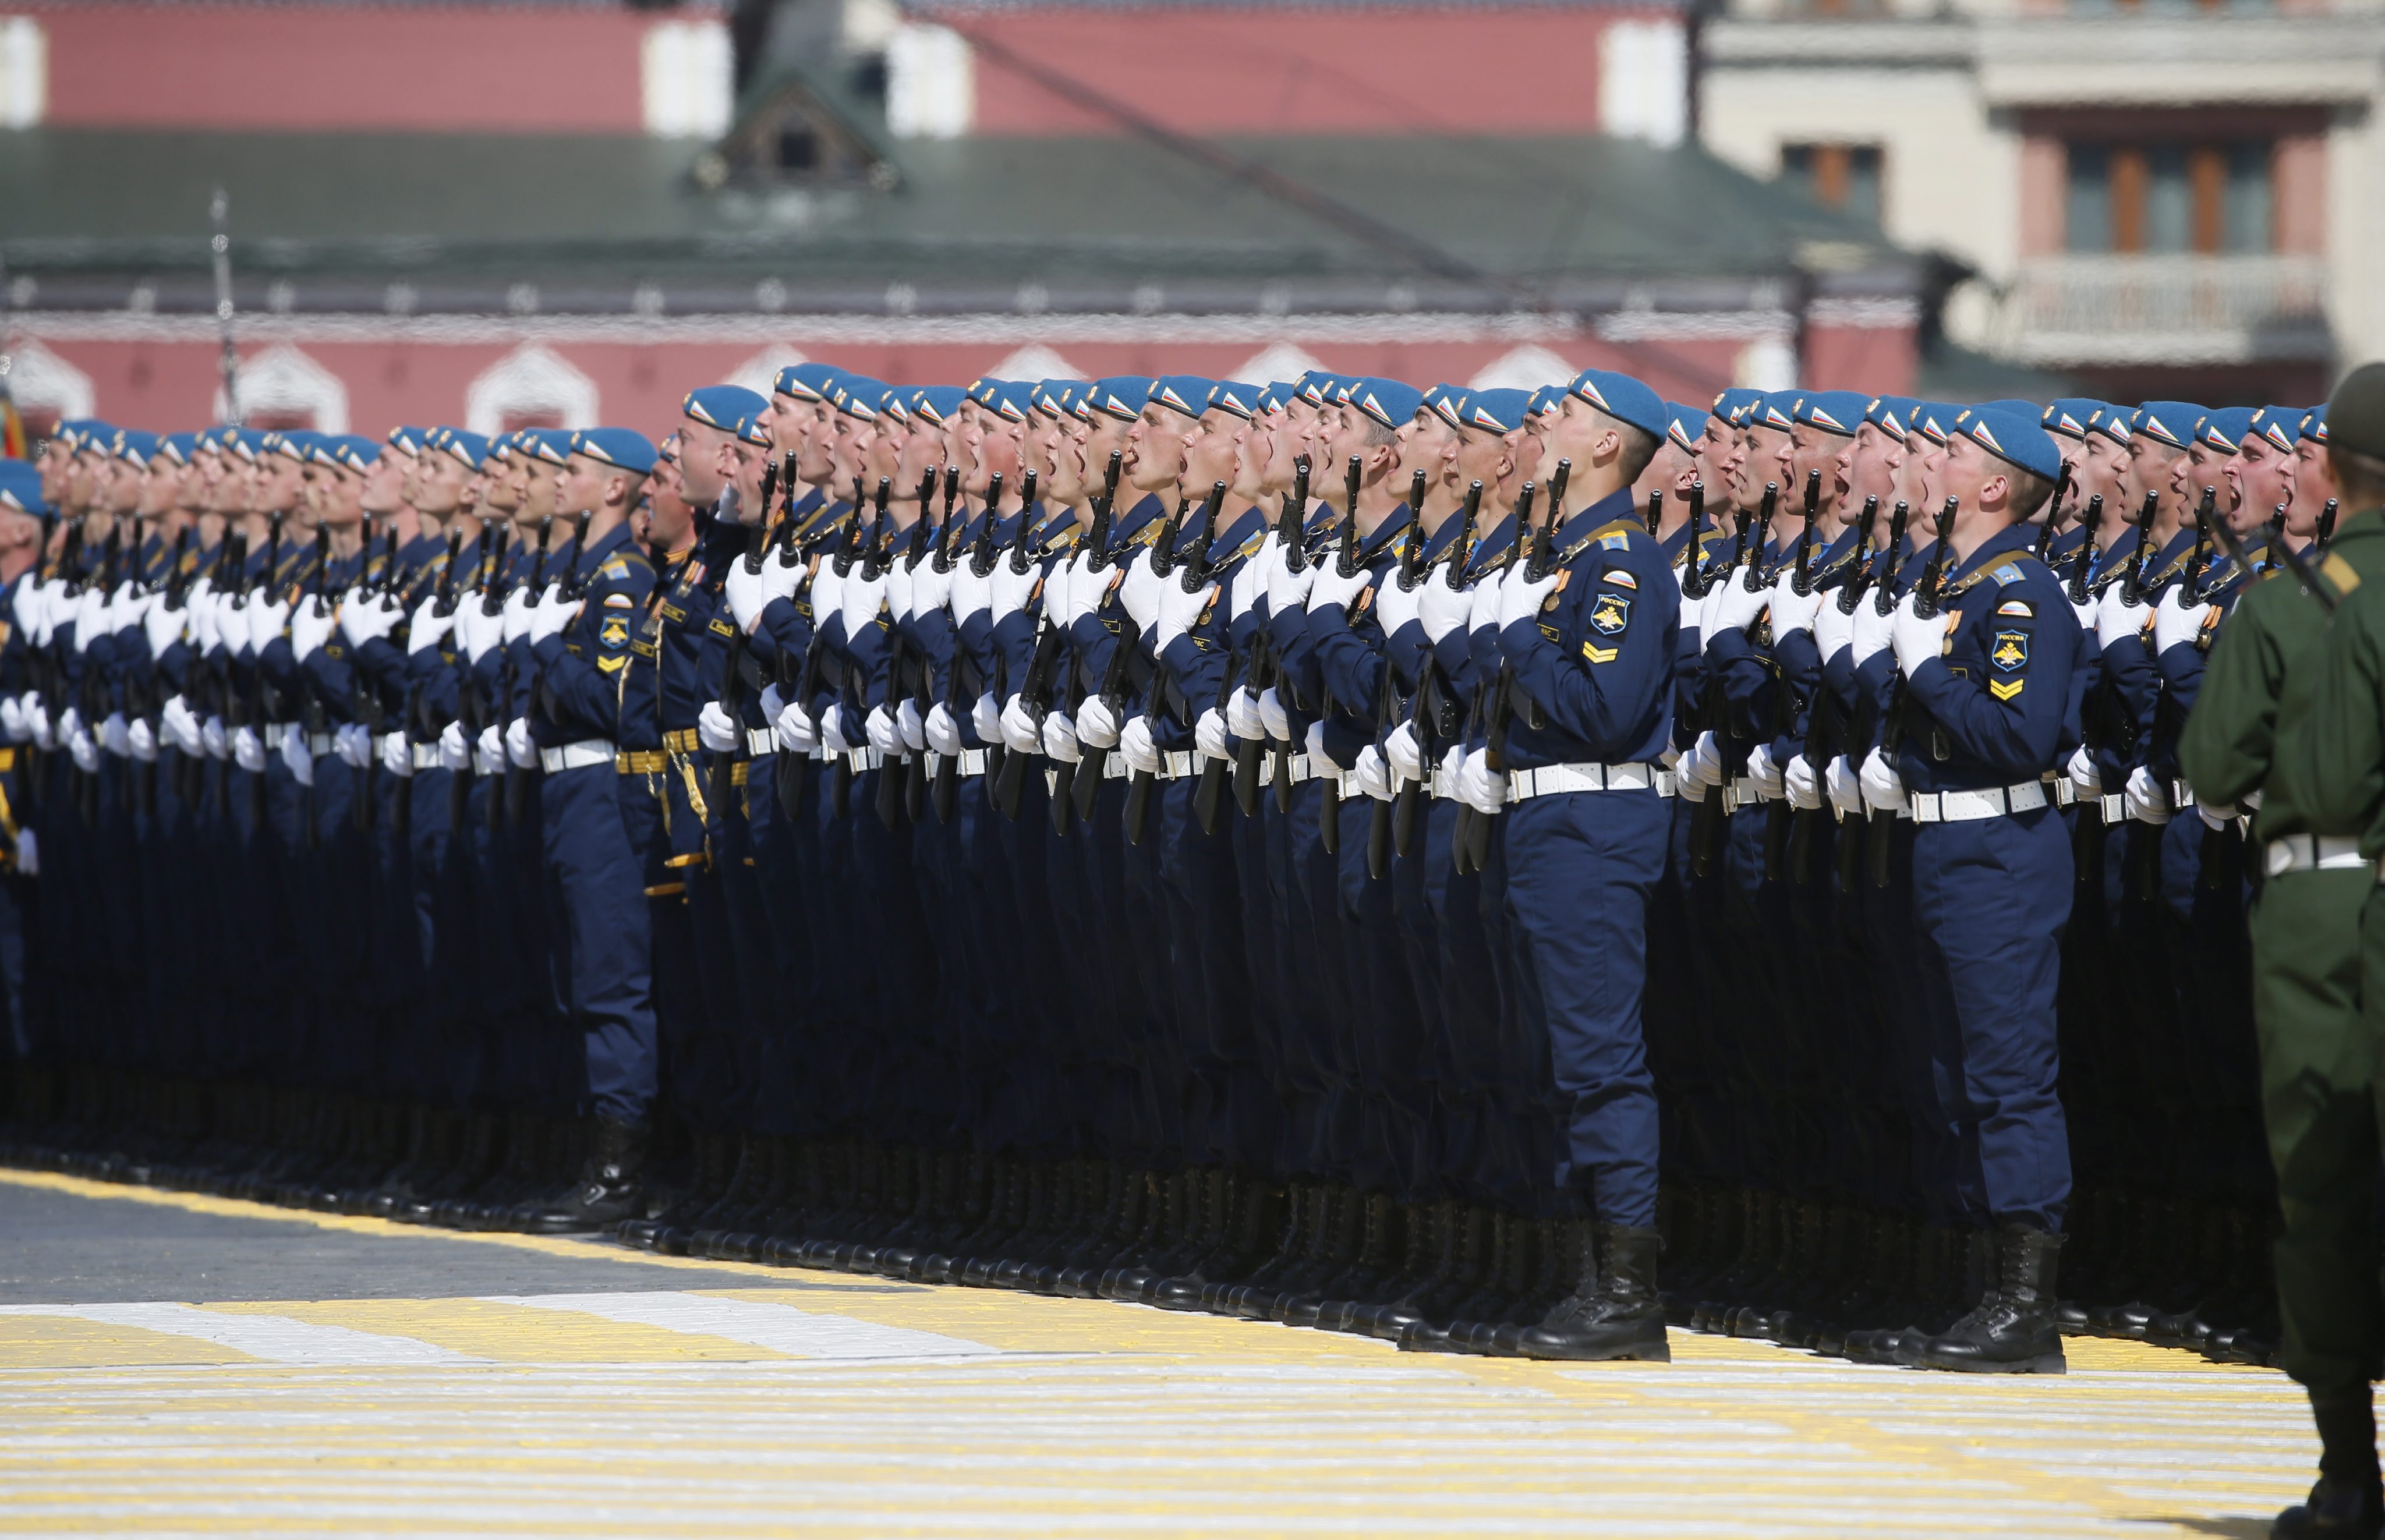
(1844, 177)
(2169, 198)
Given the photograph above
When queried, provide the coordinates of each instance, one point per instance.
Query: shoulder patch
(1616, 542)
(2016, 607)
(619, 601)
(1609, 614)
(2339, 573)
(1618, 577)
(2009, 573)
(2010, 651)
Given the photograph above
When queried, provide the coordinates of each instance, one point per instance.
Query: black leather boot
(1613, 1311)
(608, 1190)
(2346, 1502)
(2012, 1331)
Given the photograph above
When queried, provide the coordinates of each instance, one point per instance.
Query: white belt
(859, 759)
(320, 743)
(1114, 766)
(426, 757)
(1988, 801)
(381, 741)
(1297, 768)
(2113, 806)
(2062, 788)
(760, 741)
(972, 761)
(578, 756)
(1175, 764)
(1341, 783)
(1667, 783)
(1741, 791)
(276, 732)
(2311, 853)
(2181, 796)
(1551, 779)
(1442, 785)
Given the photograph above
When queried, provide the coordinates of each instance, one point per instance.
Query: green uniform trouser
(2321, 1091)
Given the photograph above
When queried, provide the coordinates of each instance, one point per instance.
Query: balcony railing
(2139, 309)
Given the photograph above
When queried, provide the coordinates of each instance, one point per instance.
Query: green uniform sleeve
(2346, 745)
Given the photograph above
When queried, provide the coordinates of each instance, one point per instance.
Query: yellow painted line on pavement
(514, 1333)
(65, 1342)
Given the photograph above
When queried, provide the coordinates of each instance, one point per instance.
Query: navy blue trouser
(1991, 899)
(603, 937)
(1582, 869)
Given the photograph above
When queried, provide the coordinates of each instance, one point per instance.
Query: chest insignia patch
(2010, 651)
(613, 632)
(1609, 613)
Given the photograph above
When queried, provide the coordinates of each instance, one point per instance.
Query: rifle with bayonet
(1778, 822)
(893, 800)
(1267, 670)
(1927, 596)
(1410, 567)
(732, 672)
(1473, 837)
(1431, 700)
(1072, 793)
(945, 791)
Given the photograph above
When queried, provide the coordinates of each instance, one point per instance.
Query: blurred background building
(507, 212)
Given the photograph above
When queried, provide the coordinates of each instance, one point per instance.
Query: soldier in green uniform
(2289, 723)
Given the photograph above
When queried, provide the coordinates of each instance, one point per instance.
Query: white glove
(553, 613)
(746, 592)
(1442, 605)
(1802, 786)
(2086, 613)
(1209, 735)
(2175, 621)
(206, 610)
(1882, 787)
(116, 735)
(985, 719)
(1395, 607)
(831, 726)
(1178, 611)
(2146, 799)
(1250, 584)
(1793, 610)
(489, 748)
(1007, 592)
(70, 723)
(1917, 640)
(28, 854)
(1873, 631)
(369, 618)
(884, 736)
(1020, 731)
(913, 726)
(1845, 788)
(1313, 744)
(309, 630)
(1729, 607)
(827, 593)
(797, 732)
(1273, 717)
(37, 721)
(2215, 816)
(1087, 587)
(1405, 755)
(1703, 765)
(179, 725)
(1136, 747)
(1478, 786)
(861, 598)
(1060, 738)
(932, 589)
(298, 757)
(519, 750)
(266, 619)
(1764, 774)
(943, 734)
(1520, 595)
(164, 626)
(2115, 618)
(1831, 628)
(971, 594)
(344, 746)
(1242, 716)
(899, 578)
(213, 738)
(249, 750)
(479, 630)
(91, 619)
(1371, 775)
(455, 749)
(2086, 776)
(397, 756)
(1289, 591)
(142, 739)
(13, 725)
(428, 628)
(1482, 603)
(1331, 590)
(1097, 725)
(517, 613)
(715, 730)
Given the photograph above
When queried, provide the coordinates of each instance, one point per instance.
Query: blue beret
(84, 432)
(936, 404)
(1935, 420)
(1497, 411)
(981, 389)
(1446, 402)
(21, 488)
(2314, 426)
(1235, 396)
(553, 446)
(179, 448)
(2113, 422)
(721, 405)
(2013, 436)
(1058, 396)
(246, 442)
(1892, 414)
(1622, 398)
(1545, 399)
(806, 381)
(353, 451)
(1188, 394)
(2014, 404)
(751, 430)
(134, 444)
(2276, 426)
(623, 448)
(1732, 404)
(1840, 412)
(2068, 416)
(405, 440)
(1775, 409)
(2224, 429)
(1684, 425)
(1316, 387)
(1389, 402)
(296, 443)
(469, 447)
(2171, 422)
(858, 396)
(1010, 400)
(1121, 397)
(1275, 393)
